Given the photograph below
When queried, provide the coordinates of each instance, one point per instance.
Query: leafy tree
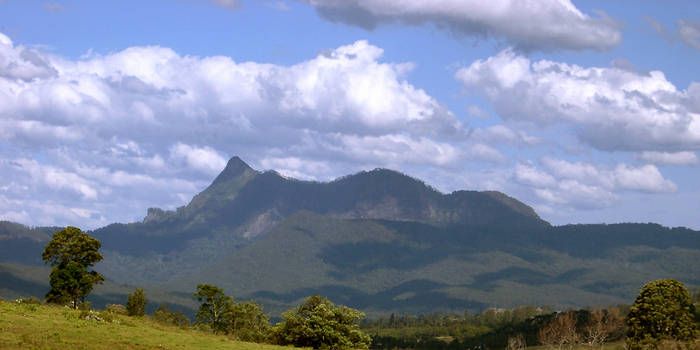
(248, 322)
(71, 252)
(216, 307)
(662, 311)
(136, 303)
(319, 324)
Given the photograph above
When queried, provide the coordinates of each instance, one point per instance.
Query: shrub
(163, 314)
(247, 322)
(136, 303)
(319, 324)
(29, 300)
(118, 309)
(661, 312)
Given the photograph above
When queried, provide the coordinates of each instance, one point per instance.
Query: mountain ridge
(383, 241)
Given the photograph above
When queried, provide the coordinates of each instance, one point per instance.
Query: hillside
(377, 240)
(26, 326)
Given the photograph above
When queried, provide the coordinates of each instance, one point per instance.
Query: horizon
(588, 112)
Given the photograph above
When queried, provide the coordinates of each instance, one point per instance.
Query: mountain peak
(234, 168)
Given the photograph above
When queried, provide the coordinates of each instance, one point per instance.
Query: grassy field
(30, 326)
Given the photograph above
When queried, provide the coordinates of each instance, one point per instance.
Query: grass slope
(26, 326)
(18, 280)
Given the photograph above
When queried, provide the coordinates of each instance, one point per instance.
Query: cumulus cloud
(588, 186)
(99, 139)
(543, 25)
(614, 108)
(86, 133)
(666, 158)
(204, 159)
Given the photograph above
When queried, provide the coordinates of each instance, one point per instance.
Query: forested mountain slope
(380, 241)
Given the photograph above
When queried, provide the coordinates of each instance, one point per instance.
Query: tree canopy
(71, 252)
(319, 324)
(662, 311)
(244, 320)
(214, 308)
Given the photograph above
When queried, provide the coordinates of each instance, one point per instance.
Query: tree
(216, 307)
(561, 332)
(602, 325)
(319, 324)
(662, 311)
(71, 252)
(247, 322)
(136, 303)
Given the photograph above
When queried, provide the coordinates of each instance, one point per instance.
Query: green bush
(136, 303)
(29, 301)
(118, 309)
(163, 314)
(319, 324)
(247, 322)
(661, 312)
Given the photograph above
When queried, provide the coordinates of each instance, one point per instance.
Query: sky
(588, 111)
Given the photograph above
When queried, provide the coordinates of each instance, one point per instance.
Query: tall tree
(72, 252)
(662, 311)
(215, 309)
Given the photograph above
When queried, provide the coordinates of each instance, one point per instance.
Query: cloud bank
(99, 139)
(611, 109)
(527, 25)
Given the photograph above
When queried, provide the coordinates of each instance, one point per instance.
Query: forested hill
(381, 241)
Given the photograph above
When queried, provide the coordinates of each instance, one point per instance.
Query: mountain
(381, 241)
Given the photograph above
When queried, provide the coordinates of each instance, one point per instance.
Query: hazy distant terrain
(379, 241)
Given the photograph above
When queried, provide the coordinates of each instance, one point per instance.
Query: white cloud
(689, 32)
(527, 173)
(646, 178)
(531, 24)
(609, 108)
(398, 149)
(588, 186)
(148, 127)
(101, 138)
(55, 178)
(296, 167)
(666, 158)
(204, 159)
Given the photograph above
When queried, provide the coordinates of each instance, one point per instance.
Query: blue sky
(589, 111)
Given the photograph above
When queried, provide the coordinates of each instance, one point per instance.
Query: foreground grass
(27, 326)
